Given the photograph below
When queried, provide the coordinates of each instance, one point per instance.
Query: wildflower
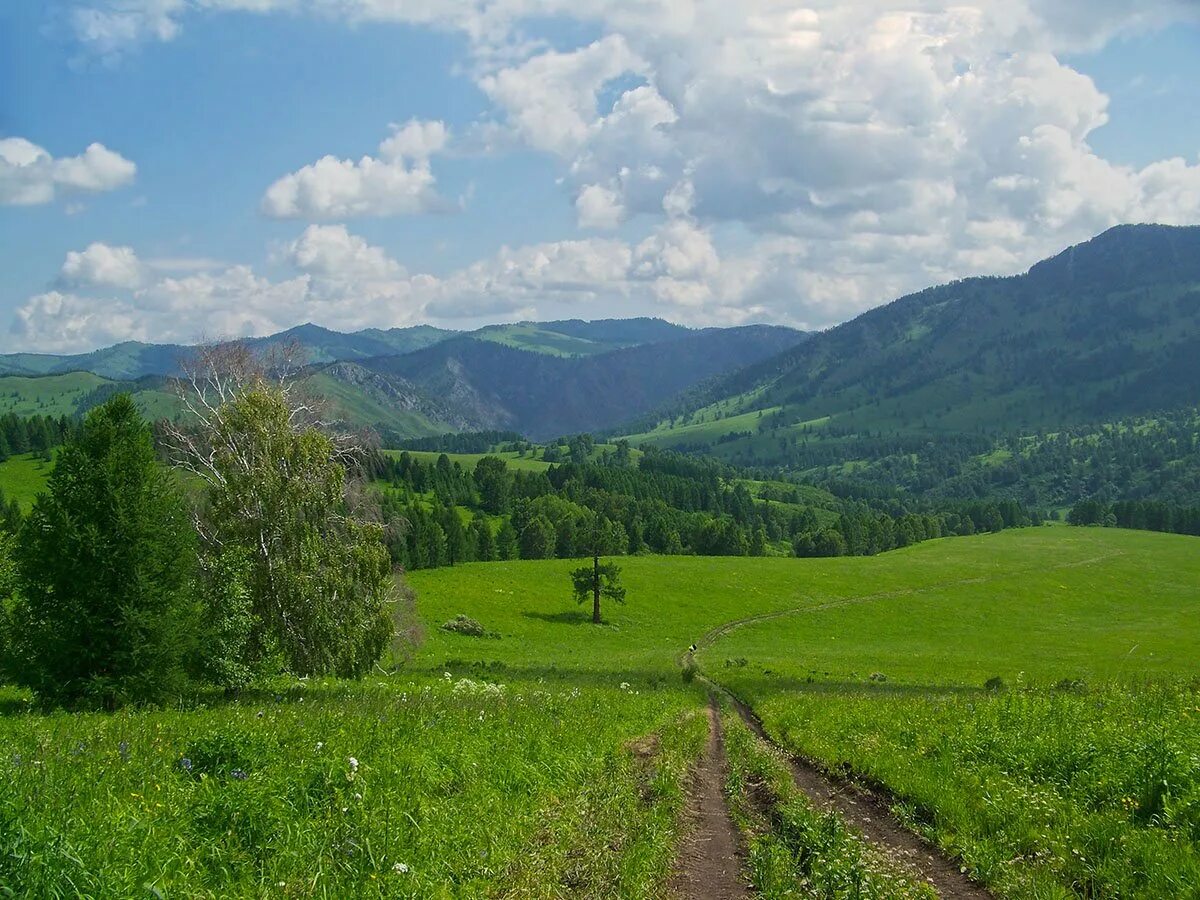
(401, 868)
(345, 809)
(624, 685)
(320, 745)
(185, 764)
(239, 774)
(358, 796)
(123, 750)
(447, 675)
(259, 714)
(353, 763)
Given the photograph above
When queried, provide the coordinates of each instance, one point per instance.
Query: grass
(1084, 776)
(403, 787)
(23, 477)
(565, 778)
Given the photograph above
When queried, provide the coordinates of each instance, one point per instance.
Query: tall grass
(399, 788)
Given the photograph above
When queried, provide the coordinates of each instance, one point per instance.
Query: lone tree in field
(599, 579)
(105, 608)
(313, 588)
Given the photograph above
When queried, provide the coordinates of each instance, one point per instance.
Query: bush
(463, 624)
(995, 684)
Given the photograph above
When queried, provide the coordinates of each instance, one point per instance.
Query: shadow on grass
(567, 617)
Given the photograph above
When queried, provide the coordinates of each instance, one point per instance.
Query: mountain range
(542, 379)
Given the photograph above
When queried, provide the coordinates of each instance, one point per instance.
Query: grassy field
(24, 477)
(549, 758)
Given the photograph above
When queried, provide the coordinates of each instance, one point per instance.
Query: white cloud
(29, 175)
(101, 265)
(598, 207)
(398, 182)
(855, 150)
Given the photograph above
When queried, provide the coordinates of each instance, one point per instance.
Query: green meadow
(23, 477)
(550, 757)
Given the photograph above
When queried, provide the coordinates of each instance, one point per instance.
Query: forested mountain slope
(1107, 329)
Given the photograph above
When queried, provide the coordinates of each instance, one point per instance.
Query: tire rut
(708, 866)
(871, 815)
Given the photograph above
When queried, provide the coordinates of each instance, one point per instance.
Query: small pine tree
(105, 607)
(598, 579)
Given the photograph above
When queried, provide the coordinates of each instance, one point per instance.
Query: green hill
(1107, 329)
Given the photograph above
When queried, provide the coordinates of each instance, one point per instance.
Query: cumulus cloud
(397, 182)
(598, 207)
(29, 175)
(101, 265)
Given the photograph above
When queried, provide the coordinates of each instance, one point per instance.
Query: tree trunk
(596, 589)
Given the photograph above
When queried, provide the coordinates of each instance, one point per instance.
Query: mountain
(480, 384)
(575, 337)
(1106, 329)
(131, 360)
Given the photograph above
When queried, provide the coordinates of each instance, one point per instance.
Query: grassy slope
(51, 395)
(352, 404)
(527, 336)
(23, 477)
(1052, 602)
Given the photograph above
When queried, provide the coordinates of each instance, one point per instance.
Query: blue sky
(707, 164)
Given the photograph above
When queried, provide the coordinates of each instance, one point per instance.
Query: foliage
(318, 579)
(105, 607)
(596, 581)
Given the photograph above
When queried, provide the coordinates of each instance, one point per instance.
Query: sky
(178, 170)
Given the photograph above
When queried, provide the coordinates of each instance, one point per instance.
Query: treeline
(442, 513)
(1143, 515)
(33, 434)
(472, 442)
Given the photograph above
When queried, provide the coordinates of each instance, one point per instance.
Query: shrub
(463, 624)
(995, 684)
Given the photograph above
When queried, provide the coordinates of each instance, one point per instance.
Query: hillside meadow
(549, 758)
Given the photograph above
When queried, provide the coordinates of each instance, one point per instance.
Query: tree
(480, 535)
(595, 581)
(537, 539)
(105, 605)
(507, 541)
(318, 576)
(492, 481)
